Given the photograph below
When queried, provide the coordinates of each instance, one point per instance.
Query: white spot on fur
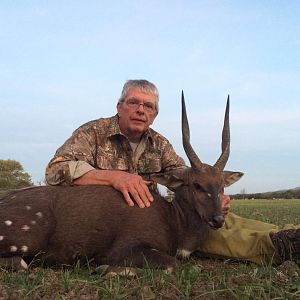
(153, 249)
(32, 222)
(12, 197)
(183, 253)
(39, 214)
(25, 227)
(8, 222)
(1, 237)
(24, 248)
(28, 207)
(13, 248)
(24, 265)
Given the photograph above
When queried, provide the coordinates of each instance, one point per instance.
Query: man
(123, 151)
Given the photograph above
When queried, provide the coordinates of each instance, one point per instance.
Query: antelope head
(202, 185)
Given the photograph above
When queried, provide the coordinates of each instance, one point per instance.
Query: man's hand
(225, 204)
(133, 187)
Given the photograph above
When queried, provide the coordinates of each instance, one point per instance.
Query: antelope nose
(219, 220)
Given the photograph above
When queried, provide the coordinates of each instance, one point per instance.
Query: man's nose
(141, 108)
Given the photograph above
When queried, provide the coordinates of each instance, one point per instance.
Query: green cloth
(246, 239)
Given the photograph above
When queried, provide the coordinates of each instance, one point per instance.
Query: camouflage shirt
(99, 144)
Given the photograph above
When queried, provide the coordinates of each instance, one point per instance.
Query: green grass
(196, 278)
(276, 211)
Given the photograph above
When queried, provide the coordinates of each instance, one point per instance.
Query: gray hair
(144, 86)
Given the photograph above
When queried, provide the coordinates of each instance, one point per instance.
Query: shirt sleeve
(73, 159)
(79, 168)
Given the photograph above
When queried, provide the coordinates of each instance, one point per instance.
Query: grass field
(194, 279)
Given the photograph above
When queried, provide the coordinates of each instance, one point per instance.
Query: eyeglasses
(135, 103)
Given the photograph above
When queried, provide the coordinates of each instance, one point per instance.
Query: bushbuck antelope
(61, 225)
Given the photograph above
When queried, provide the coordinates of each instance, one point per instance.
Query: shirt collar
(114, 129)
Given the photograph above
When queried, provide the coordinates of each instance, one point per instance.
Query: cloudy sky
(63, 63)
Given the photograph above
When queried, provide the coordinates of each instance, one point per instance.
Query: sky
(63, 63)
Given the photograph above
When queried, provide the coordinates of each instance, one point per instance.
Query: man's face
(136, 113)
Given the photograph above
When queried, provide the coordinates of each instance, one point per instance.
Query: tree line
(13, 175)
(286, 194)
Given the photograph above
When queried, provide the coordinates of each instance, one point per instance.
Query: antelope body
(62, 224)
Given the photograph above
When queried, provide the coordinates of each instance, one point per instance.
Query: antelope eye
(198, 187)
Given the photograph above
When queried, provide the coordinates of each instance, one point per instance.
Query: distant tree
(13, 176)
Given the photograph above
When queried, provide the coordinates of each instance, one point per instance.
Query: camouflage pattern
(100, 144)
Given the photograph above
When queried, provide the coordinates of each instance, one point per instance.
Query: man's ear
(171, 179)
(231, 177)
(118, 108)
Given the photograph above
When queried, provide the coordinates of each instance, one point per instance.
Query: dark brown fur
(94, 222)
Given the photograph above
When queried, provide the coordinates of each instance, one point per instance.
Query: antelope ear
(172, 179)
(231, 177)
